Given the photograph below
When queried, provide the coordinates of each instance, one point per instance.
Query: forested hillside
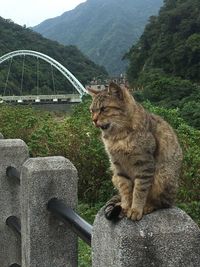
(103, 29)
(15, 37)
(165, 62)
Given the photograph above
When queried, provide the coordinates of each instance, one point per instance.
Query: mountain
(165, 62)
(103, 29)
(170, 42)
(15, 37)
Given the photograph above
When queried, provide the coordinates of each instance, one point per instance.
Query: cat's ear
(115, 90)
(92, 92)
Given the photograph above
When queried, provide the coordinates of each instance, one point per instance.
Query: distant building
(101, 84)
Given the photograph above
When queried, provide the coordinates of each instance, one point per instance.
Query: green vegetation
(15, 37)
(77, 139)
(171, 42)
(166, 60)
(74, 137)
(88, 212)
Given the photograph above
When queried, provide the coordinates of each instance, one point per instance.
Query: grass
(88, 213)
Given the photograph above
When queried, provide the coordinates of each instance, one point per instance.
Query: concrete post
(14, 153)
(45, 241)
(1, 136)
(165, 238)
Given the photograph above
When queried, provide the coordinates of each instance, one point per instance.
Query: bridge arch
(71, 78)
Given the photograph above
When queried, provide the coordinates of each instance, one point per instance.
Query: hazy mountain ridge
(103, 29)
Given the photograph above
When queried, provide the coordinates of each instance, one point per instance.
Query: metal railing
(65, 214)
(13, 173)
(14, 223)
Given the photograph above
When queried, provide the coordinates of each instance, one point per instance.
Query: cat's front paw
(125, 207)
(134, 214)
(148, 209)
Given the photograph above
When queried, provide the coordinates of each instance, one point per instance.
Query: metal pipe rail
(14, 223)
(58, 208)
(71, 218)
(13, 173)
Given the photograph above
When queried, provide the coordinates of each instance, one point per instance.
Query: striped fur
(143, 149)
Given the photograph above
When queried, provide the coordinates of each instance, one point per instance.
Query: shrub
(73, 137)
(191, 113)
(77, 139)
(163, 89)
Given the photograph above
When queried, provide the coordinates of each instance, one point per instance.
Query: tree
(170, 42)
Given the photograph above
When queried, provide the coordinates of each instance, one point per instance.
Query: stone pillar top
(45, 163)
(46, 241)
(164, 238)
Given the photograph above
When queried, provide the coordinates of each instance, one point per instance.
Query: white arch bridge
(37, 98)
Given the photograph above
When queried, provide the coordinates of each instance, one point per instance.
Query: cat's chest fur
(120, 147)
(120, 153)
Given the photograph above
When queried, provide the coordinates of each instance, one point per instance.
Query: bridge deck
(41, 98)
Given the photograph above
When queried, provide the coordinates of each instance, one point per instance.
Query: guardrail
(65, 214)
(38, 199)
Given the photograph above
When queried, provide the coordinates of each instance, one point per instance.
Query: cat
(143, 149)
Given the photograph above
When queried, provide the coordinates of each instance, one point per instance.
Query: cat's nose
(95, 122)
(95, 119)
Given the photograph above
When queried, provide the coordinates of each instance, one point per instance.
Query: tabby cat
(143, 150)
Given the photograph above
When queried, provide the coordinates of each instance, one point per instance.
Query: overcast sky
(32, 12)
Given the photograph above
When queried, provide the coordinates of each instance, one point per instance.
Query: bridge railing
(37, 200)
(71, 98)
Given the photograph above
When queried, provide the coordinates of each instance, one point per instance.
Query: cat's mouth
(105, 126)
